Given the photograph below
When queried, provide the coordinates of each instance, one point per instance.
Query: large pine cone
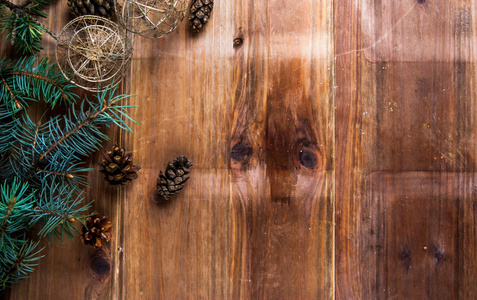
(200, 13)
(174, 178)
(118, 167)
(102, 8)
(96, 230)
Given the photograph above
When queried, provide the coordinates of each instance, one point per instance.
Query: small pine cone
(200, 13)
(117, 166)
(174, 178)
(102, 8)
(96, 229)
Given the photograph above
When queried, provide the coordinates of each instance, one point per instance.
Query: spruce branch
(6, 219)
(70, 176)
(52, 151)
(14, 201)
(29, 80)
(99, 115)
(7, 86)
(34, 143)
(17, 262)
(74, 130)
(64, 95)
(63, 217)
(43, 162)
(57, 210)
(13, 7)
(25, 31)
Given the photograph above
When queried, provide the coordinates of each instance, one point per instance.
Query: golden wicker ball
(151, 18)
(93, 52)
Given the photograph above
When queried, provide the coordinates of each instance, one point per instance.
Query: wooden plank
(392, 30)
(282, 149)
(203, 244)
(402, 109)
(183, 248)
(421, 230)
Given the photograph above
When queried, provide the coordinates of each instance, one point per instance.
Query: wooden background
(334, 149)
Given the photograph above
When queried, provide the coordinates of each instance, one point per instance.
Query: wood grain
(420, 232)
(282, 149)
(334, 149)
(184, 247)
(406, 102)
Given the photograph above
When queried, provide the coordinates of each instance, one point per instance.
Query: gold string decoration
(151, 18)
(93, 52)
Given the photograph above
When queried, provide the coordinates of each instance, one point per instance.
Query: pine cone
(175, 177)
(118, 167)
(96, 229)
(200, 13)
(102, 8)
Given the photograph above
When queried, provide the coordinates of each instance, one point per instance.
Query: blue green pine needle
(42, 165)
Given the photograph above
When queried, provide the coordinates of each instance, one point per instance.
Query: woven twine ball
(151, 18)
(93, 52)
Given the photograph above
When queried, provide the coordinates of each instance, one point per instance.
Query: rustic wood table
(334, 147)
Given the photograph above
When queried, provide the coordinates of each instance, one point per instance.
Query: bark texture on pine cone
(102, 8)
(174, 178)
(117, 166)
(96, 230)
(200, 13)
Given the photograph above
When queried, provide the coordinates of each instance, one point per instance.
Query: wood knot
(438, 255)
(308, 159)
(421, 1)
(238, 41)
(405, 257)
(101, 266)
(306, 155)
(241, 152)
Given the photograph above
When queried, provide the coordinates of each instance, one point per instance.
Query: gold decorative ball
(93, 52)
(151, 18)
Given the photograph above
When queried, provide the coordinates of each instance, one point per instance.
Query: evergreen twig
(44, 78)
(42, 162)
(13, 7)
(6, 218)
(88, 120)
(25, 30)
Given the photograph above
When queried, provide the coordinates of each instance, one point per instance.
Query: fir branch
(17, 104)
(47, 157)
(6, 218)
(30, 79)
(7, 86)
(13, 7)
(64, 95)
(24, 29)
(73, 131)
(64, 217)
(8, 128)
(57, 210)
(34, 143)
(51, 33)
(17, 263)
(36, 6)
(104, 107)
(14, 201)
(24, 32)
(55, 173)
